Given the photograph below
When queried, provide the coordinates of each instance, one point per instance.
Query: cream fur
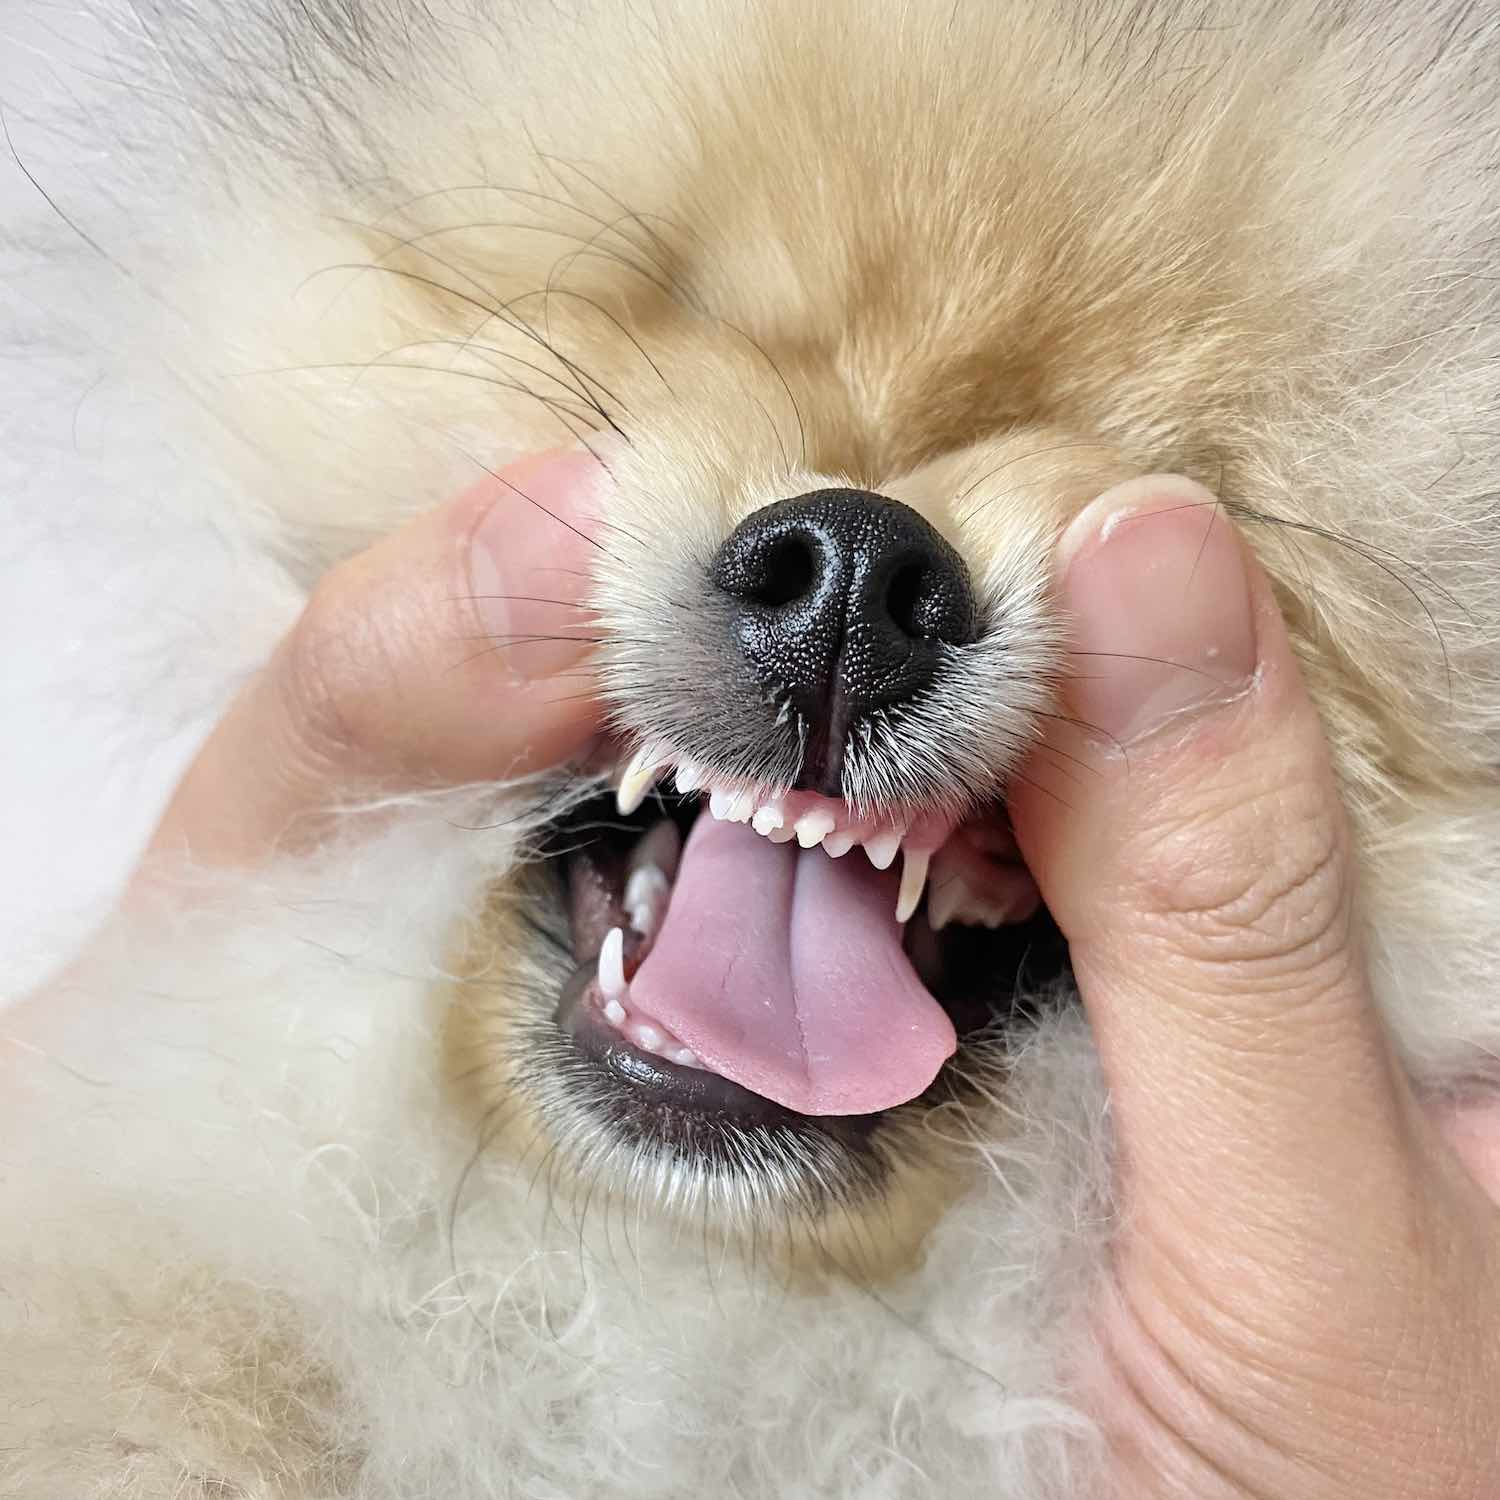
(257, 1238)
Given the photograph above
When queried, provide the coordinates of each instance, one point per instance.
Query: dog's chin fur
(286, 1206)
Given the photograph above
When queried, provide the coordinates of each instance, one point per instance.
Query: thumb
(448, 652)
(1197, 859)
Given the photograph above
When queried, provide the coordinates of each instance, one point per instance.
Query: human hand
(1304, 1300)
(446, 653)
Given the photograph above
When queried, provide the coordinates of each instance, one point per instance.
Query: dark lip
(665, 1088)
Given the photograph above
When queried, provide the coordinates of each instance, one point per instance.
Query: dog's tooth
(948, 892)
(637, 780)
(813, 827)
(648, 889)
(741, 806)
(685, 1057)
(837, 845)
(614, 1013)
(690, 776)
(882, 848)
(913, 881)
(643, 1034)
(660, 846)
(719, 800)
(612, 964)
(768, 819)
(783, 835)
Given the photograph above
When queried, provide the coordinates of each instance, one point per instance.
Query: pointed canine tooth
(689, 777)
(718, 802)
(767, 819)
(913, 881)
(882, 848)
(813, 827)
(637, 780)
(741, 806)
(612, 964)
(837, 845)
(614, 1013)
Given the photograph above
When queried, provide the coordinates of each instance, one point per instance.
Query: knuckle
(1256, 885)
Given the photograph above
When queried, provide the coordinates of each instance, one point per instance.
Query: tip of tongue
(783, 970)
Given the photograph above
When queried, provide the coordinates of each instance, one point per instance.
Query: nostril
(786, 573)
(904, 601)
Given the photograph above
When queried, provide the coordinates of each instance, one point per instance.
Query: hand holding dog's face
(1302, 1295)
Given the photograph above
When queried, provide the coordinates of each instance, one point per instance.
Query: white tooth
(662, 847)
(685, 1057)
(783, 835)
(913, 879)
(648, 1037)
(637, 780)
(767, 819)
(948, 892)
(837, 845)
(612, 964)
(741, 807)
(689, 777)
(882, 848)
(718, 803)
(812, 828)
(647, 892)
(614, 1013)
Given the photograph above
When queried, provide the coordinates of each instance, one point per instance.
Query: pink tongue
(782, 969)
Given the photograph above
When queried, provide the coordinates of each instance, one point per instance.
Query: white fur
(247, 1244)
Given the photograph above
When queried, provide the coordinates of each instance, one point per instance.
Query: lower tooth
(648, 1037)
(685, 1057)
(612, 965)
(614, 1013)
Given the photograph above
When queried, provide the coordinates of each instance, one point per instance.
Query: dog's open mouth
(762, 956)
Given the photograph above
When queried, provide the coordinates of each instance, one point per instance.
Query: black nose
(844, 601)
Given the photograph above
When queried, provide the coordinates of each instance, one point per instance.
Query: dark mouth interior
(985, 979)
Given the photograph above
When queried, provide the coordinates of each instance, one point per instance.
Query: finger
(443, 654)
(1200, 868)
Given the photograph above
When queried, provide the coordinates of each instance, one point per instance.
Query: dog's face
(853, 358)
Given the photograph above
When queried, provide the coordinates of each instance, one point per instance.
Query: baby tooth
(741, 806)
(719, 801)
(614, 1013)
(685, 1057)
(837, 845)
(612, 964)
(767, 820)
(813, 827)
(913, 880)
(648, 1037)
(948, 892)
(882, 848)
(636, 781)
(647, 892)
(689, 777)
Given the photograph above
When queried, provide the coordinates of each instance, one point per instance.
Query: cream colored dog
(418, 1169)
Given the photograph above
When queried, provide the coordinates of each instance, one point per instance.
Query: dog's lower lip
(664, 1085)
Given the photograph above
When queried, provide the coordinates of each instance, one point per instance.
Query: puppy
(424, 1166)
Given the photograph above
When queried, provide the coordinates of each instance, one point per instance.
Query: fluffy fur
(284, 1211)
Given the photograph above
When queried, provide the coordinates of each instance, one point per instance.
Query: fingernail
(1153, 579)
(530, 559)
